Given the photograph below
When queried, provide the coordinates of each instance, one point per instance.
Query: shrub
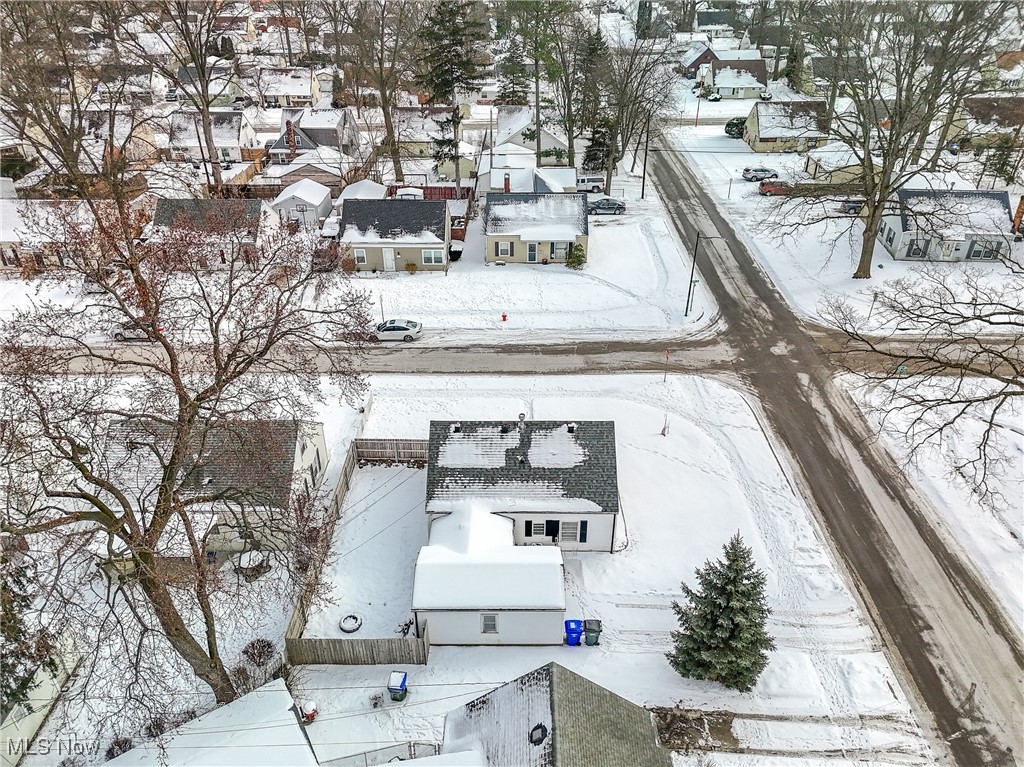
(411, 267)
(576, 258)
(156, 727)
(118, 746)
(259, 652)
(348, 264)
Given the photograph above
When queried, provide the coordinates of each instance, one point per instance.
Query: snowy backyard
(828, 686)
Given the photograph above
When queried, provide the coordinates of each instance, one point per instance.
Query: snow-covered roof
(258, 728)
(511, 120)
(364, 190)
(790, 119)
(554, 179)
(405, 221)
(186, 128)
(472, 563)
(732, 78)
(523, 466)
(693, 54)
(566, 713)
(536, 216)
(739, 54)
(286, 81)
(835, 155)
(305, 189)
(955, 214)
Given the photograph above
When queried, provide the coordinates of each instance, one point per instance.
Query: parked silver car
(759, 174)
(399, 330)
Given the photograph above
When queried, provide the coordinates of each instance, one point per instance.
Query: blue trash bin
(573, 632)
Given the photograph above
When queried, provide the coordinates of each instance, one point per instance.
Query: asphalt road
(961, 659)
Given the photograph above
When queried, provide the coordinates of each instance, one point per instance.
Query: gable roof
(777, 119)
(186, 128)
(525, 466)
(258, 728)
(214, 213)
(306, 189)
(533, 215)
(730, 72)
(472, 563)
(954, 214)
(584, 724)
(248, 462)
(690, 57)
(396, 220)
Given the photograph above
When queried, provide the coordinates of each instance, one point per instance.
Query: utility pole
(647, 143)
(693, 269)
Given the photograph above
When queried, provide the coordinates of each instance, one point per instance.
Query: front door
(389, 259)
(551, 529)
(531, 252)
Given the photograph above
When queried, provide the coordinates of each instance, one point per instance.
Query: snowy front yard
(811, 261)
(827, 686)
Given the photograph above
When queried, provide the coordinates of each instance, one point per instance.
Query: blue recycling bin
(573, 632)
(398, 685)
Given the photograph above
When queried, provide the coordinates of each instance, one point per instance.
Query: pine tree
(596, 153)
(722, 634)
(22, 650)
(513, 76)
(451, 37)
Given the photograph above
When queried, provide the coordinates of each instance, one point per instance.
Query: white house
(305, 201)
(738, 79)
(259, 728)
(287, 87)
(516, 126)
(232, 131)
(556, 480)
(947, 225)
(474, 586)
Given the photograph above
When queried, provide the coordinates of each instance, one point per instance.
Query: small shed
(306, 202)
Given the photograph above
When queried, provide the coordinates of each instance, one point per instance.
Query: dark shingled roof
(757, 68)
(246, 462)
(910, 199)
(713, 18)
(392, 219)
(213, 213)
(584, 725)
(594, 477)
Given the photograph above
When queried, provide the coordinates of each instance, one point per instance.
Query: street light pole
(647, 143)
(693, 270)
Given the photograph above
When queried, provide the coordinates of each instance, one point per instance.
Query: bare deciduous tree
(905, 69)
(231, 332)
(947, 343)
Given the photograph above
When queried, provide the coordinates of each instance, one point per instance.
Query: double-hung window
(433, 257)
(504, 249)
(360, 255)
(489, 623)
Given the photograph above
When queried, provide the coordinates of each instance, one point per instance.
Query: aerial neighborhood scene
(524, 383)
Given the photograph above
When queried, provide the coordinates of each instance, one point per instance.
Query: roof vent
(504, 428)
(207, 481)
(571, 427)
(538, 734)
(522, 421)
(522, 461)
(456, 428)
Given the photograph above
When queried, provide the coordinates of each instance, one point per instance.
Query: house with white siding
(305, 202)
(474, 586)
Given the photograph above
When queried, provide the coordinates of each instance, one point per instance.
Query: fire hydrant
(504, 317)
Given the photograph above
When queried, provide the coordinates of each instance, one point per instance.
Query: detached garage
(474, 586)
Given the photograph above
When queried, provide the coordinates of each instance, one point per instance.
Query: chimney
(508, 184)
(571, 428)
(522, 421)
(456, 428)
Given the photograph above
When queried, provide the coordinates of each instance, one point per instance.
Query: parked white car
(399, 330)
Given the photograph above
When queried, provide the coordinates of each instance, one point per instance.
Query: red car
(771, 186)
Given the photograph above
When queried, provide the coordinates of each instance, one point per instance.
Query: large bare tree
(947, 345)
(903, 69)
(230, 331)
(380, 50)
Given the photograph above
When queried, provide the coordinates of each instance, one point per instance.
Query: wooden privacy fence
(358, 652)
(398, 450)
(399, 752)
(343, 651)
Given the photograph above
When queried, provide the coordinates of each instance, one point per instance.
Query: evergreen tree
(451, 36)
(596, 153)
(22, 650)
(722, 634)
(513, 76)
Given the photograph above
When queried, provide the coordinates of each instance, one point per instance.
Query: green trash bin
(592, 632)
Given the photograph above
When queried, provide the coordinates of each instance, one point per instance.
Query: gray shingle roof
(508, 213)
(392, 219)
(540, 460)
(936, 210)
(214, 214)
(585, 725)
(247, 462)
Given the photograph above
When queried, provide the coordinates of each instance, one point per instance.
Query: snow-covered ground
(990, 530)
(633, 286)
(811, 261)
(683, 495)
